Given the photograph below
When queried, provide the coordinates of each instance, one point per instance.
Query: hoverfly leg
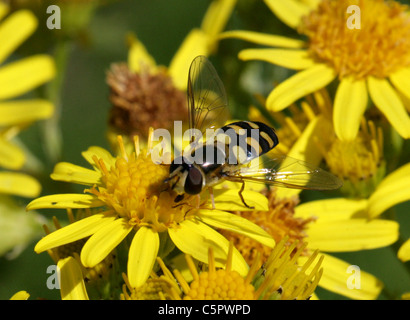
(211, 194)
(179, 198)
(198, 200)
(241, 196)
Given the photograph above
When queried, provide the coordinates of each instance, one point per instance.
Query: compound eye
(193, 182)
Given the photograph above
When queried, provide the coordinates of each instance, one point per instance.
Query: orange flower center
(279, 222)
(134, 188)
(220, 285)
(371, 41)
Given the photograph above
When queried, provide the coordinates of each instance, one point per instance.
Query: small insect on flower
(233, 151)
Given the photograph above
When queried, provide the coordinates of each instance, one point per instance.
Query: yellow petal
(11, 156)
(196, 43)
(338, 276)
(19, 184)
(15, 30)
(388, 102)
(20, 77)
(351, 235)
(72, 285)
(142, 254)
(336, 209)
(68, 172)
(405, 100)
(195, 237)
(299, 85)
(65, 200)
(74, 231)
(232, 222)
(305, 148)
(17, 112)
(392, 190)
(100, 153)
(138, 56)
(104, 241)
(396, 177)
(21, 295)
(289, 11)
(228, 199)
(401, 80)
(404, 252)
(217, 16)
(291, 59)
(264, 39)
(350, 104)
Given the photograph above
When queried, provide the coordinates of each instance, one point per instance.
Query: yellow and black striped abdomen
(246, 140)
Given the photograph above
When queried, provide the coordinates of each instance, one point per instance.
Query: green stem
(51, 128)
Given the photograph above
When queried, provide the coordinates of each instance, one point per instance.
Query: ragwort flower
(373, 59)
(331, 225)
(130, 188)
(309, 135)
(280, 278)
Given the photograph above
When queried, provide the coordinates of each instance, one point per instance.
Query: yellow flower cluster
(332, 78)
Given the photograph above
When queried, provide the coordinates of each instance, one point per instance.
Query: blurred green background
(161, 25)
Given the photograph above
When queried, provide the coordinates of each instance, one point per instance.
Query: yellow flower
(343, 225)
(145, 94)
(332, 225)
(372, 59)
(135, 200)
(17, 78)
(359, 162)
(280, 278)
(339, 224)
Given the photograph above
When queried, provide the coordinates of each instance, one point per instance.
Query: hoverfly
(195, 170)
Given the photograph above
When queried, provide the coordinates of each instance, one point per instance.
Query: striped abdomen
(246, 140)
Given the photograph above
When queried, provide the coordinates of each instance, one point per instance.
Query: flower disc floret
(220, 285)
(127, 185)
(376, 45)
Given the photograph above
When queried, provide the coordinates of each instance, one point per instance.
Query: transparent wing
(207, 101)
(284, 171)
